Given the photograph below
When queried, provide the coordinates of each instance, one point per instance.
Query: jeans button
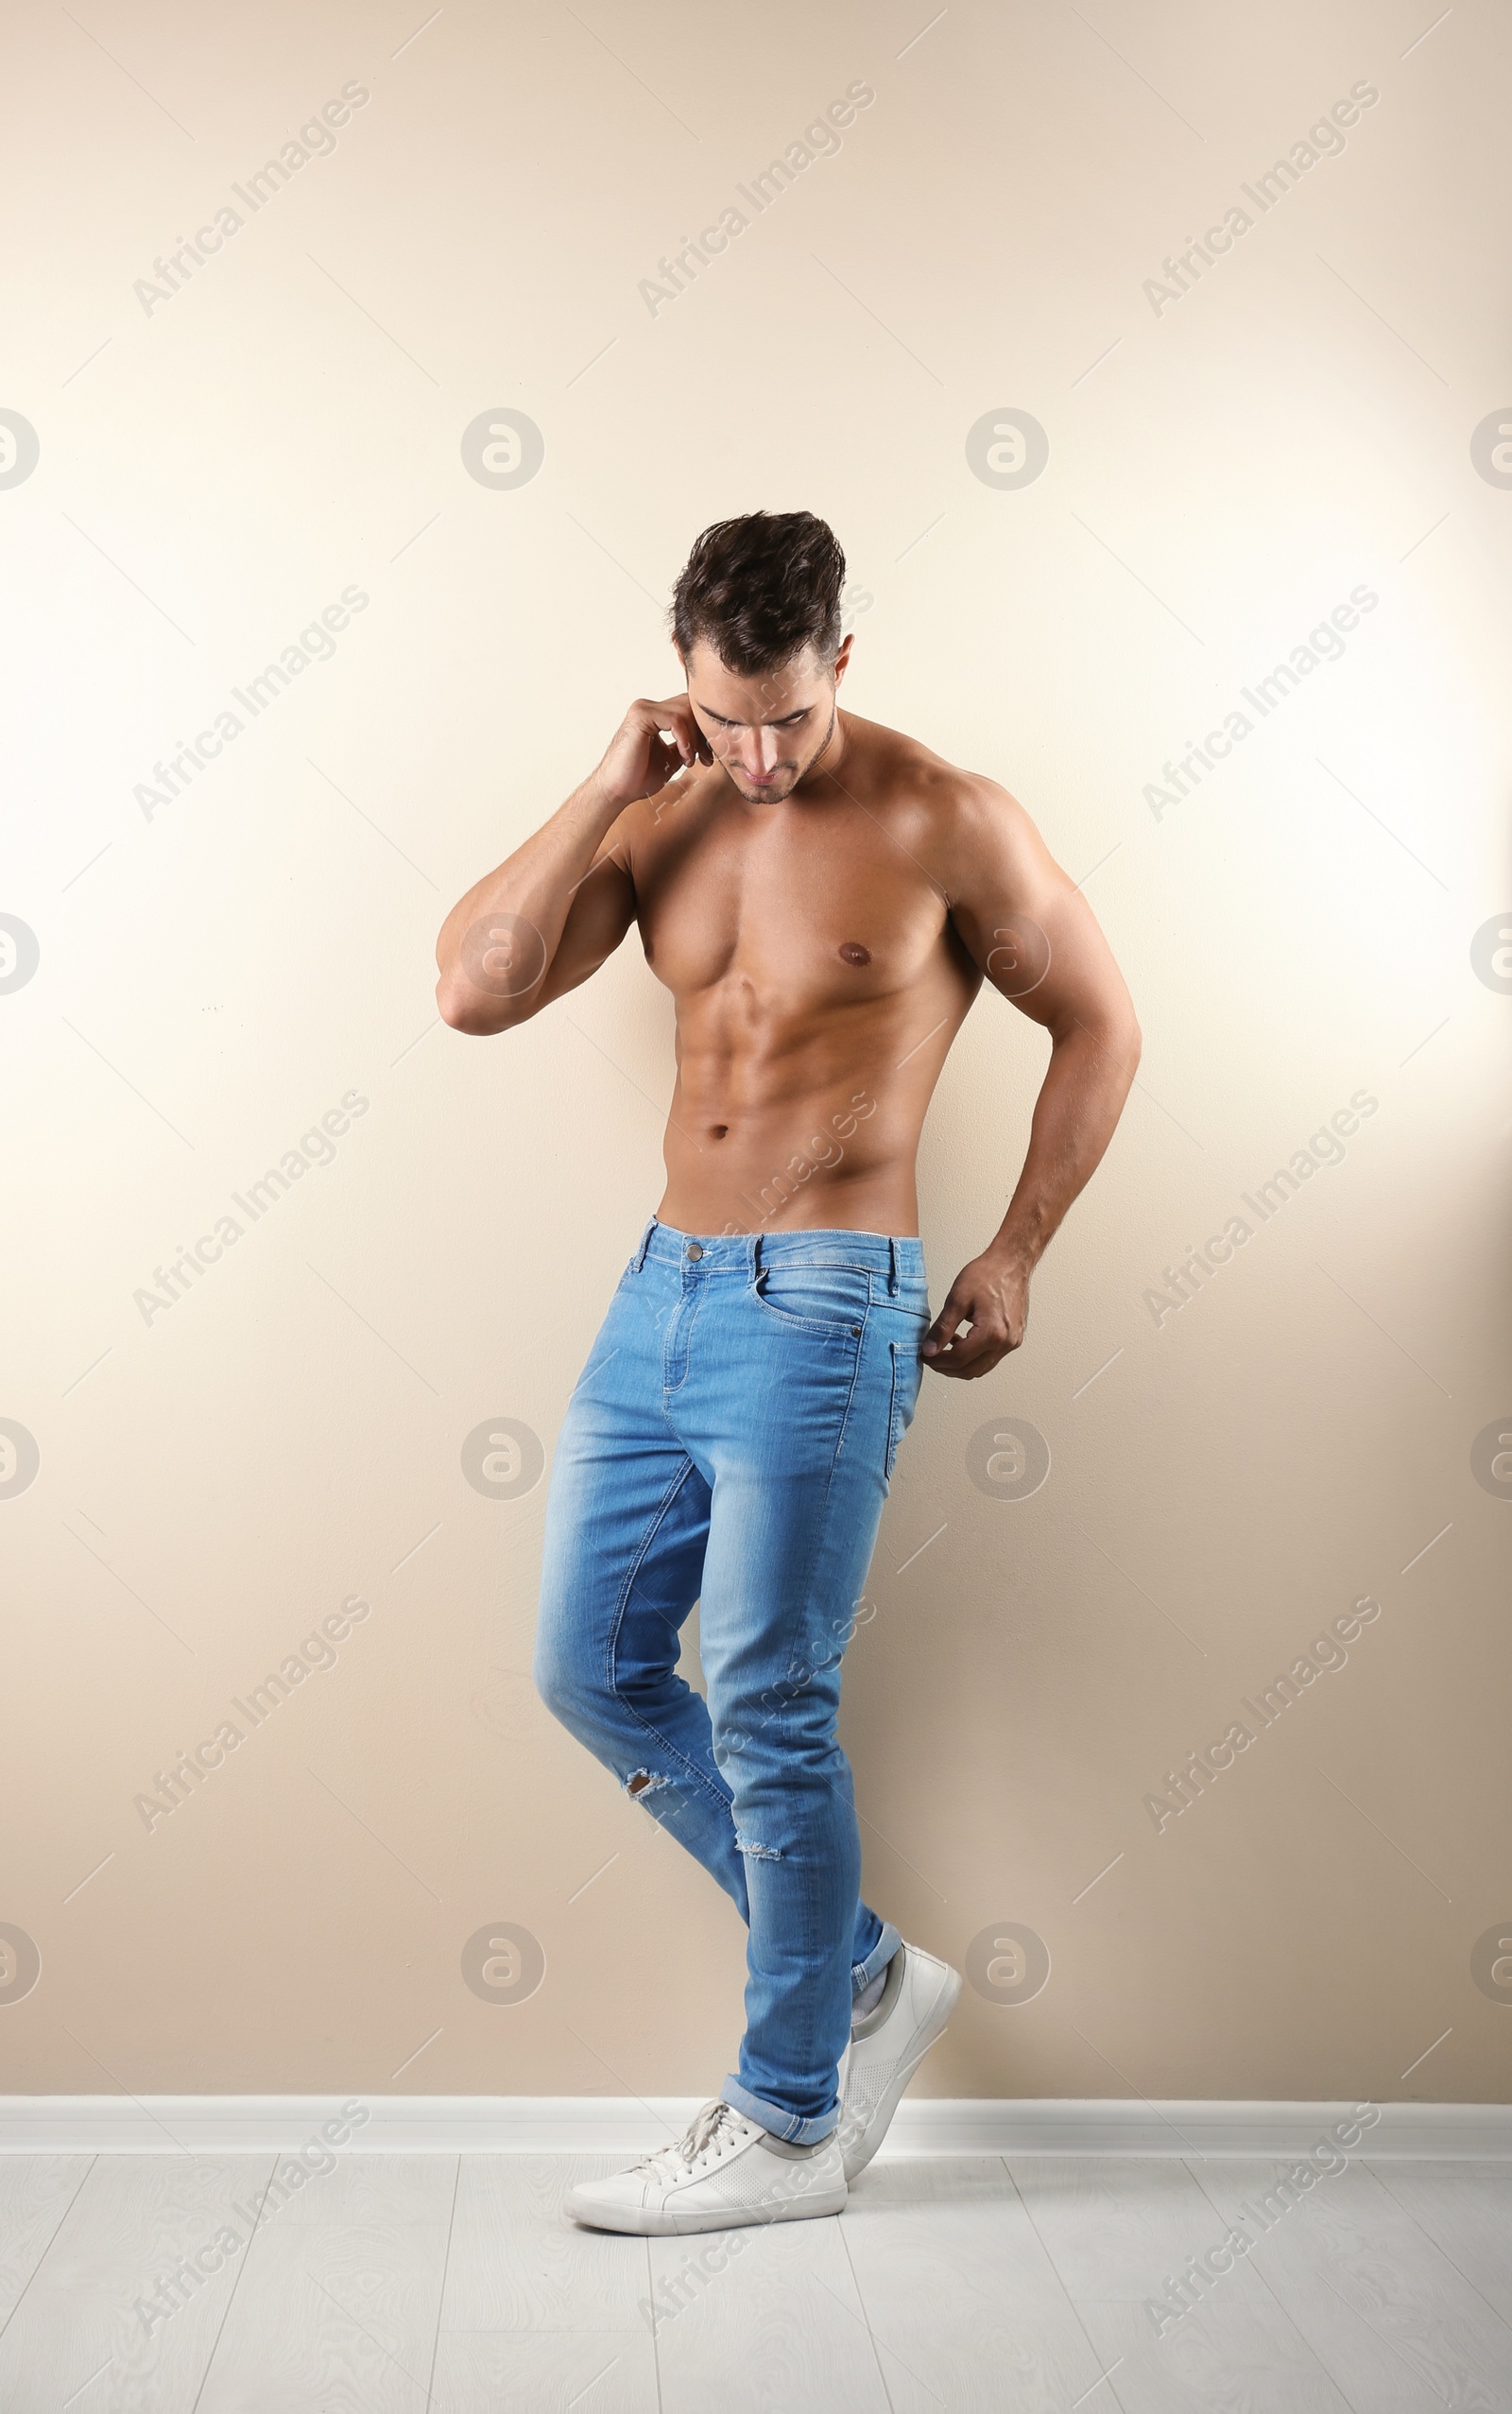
(693, 1250)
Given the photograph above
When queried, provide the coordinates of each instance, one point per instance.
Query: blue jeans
(731, 1441)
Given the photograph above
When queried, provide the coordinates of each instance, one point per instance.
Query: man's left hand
(992, 1295)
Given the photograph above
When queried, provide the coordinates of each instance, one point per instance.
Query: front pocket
(818, 1299)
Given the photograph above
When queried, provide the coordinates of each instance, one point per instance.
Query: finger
(942, 1332)
(662, 730)
(670, 743)
(680, 717)
(977, 1354)
(700, 737)
(674, 719)
(944, 1366)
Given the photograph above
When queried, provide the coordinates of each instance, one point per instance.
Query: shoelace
(707, 2126)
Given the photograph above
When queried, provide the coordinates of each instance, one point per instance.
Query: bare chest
(794, 914)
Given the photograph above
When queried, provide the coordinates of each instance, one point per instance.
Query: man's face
(769, 727)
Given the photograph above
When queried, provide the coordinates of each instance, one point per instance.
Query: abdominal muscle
(807, 1131)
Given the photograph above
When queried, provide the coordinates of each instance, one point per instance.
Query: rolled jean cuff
(791, 2127)
(862, 1973)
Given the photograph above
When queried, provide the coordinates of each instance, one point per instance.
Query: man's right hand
(639, 761)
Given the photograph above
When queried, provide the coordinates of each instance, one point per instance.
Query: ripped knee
(641, 1781)
(755, 1852)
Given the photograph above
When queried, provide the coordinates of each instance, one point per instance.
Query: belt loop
(892, 1264)
(646, 1243)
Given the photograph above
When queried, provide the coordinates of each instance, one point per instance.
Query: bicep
(1026, 924)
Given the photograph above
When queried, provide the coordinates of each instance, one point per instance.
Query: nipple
(855, 953)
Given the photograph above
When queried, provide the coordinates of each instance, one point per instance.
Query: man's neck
(830, 756)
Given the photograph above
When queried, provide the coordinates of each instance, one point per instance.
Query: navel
(853, 953)
(719, 1130)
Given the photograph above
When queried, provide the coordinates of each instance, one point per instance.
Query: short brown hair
(759, 589)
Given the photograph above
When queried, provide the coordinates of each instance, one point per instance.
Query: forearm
(499, 943)
(1085, 1083)
(528, 898)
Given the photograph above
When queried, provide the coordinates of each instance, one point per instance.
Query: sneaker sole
(928, 2033)
(657, 2221)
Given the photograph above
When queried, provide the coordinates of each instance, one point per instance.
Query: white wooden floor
(417, 2282)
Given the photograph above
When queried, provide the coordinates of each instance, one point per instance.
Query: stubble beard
(801, 771)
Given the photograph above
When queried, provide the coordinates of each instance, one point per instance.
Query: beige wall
(219, 972)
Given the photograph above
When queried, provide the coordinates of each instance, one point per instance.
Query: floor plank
(1117, 2228)
(1466, 2208)
(781, 2329)
(340, 2295)
(1383, 2308)
(951, 2284)
(545, 2371)
(36, 2191)
(92, 2314)
(968, 2311)
(521, 2263)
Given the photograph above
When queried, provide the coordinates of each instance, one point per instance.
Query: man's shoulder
(949, 805)
(969, 833)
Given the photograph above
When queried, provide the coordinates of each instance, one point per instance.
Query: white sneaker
(887, 2046)
(727, 2173)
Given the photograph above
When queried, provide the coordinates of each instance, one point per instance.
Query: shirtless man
(823, 897)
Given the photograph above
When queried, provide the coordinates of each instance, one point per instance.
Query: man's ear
(843, 657)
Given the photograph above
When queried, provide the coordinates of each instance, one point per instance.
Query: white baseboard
(626, 2124)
